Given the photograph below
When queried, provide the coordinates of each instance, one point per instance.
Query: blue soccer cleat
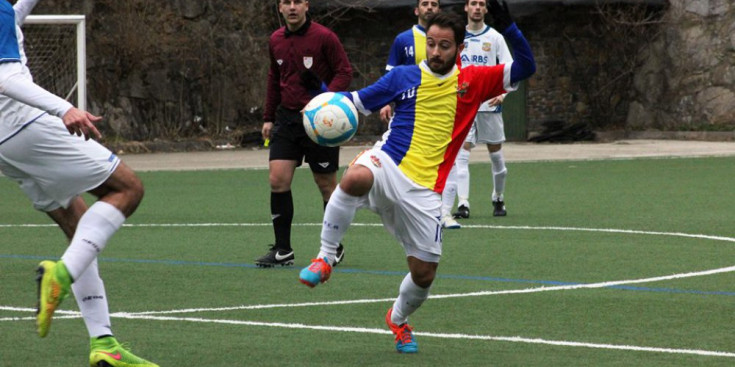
(318, 272)
(405, 341)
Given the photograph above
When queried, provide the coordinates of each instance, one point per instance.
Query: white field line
(477, 226)
(350, 329)
(440, 296)
(512, 339)
(436, 296)
(515, 339)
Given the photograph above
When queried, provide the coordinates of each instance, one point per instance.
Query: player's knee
(423, 279)
(357, 181)
(279, 183)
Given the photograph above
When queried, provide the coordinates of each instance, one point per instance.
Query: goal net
(56, 49)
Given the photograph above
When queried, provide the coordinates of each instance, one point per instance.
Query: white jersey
(486, 47)
(21, 100)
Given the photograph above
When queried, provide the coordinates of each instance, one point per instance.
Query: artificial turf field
(598, 263)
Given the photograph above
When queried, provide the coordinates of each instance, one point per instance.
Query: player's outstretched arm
(22, 9)
(524, 64)
(21, 88)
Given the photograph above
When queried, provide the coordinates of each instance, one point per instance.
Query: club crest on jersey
(308, 62)
(376, 161)
(486, 46)
(462, 89)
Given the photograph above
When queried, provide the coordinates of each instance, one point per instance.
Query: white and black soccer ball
(330, 119)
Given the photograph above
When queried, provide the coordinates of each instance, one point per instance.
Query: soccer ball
(330, 119)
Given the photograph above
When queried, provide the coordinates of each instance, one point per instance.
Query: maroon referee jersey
(313, 46)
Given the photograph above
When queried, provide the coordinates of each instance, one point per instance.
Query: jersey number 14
(409, 51)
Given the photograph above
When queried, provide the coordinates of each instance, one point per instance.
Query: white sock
(410, 298)
(95, 227)
(89, 291)
(499, 174)
(338, 216)
(463, 177)
(450, 192)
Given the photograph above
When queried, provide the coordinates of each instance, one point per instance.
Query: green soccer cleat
(54, 283)
(107, 352)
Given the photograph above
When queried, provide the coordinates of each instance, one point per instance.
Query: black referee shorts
(290, 142)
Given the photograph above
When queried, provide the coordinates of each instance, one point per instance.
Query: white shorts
(487, 129)
(409, 212)
(53, 166)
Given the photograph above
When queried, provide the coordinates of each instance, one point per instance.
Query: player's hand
(81, 123)
(501, 15)
(496, 101)
(266, 130)
(386, 113)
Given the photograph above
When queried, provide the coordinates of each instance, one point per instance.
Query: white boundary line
(512, 339)
(478, 226)
(517, 339)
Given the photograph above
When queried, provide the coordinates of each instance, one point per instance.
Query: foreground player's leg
(89, 291)
(338, 216)
(463, 184)
(414, 290)
(448, 196)
(95, 228)
(340, 249)
(499, 174)
(54, 284)
(107, 352)
(410, 297)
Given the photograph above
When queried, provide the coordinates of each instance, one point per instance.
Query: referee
(306, 58)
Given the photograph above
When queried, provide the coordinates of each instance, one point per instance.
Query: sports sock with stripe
(94, 229)
(410, 298)
(89, 291)
(337, 218)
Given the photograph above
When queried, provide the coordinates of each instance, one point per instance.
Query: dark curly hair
(449, 20)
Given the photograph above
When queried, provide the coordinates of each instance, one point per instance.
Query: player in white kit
(483, 46)
(41, 148)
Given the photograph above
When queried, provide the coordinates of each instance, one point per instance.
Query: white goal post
(57, 54)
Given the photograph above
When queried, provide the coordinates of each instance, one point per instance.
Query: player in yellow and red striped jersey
(401, 178)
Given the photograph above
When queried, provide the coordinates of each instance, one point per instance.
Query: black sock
(282, 214)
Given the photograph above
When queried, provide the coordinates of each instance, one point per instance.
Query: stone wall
(192, 68)
(688, 79)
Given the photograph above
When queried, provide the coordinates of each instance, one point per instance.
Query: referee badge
(308, 62)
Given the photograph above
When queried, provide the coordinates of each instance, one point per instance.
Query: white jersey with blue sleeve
(21, 100)
(486, 47)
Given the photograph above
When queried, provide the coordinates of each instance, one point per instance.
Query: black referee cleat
(275, 257)
(340, 255)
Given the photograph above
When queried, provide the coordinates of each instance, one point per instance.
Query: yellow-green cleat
(107, 352)
(54, 283)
